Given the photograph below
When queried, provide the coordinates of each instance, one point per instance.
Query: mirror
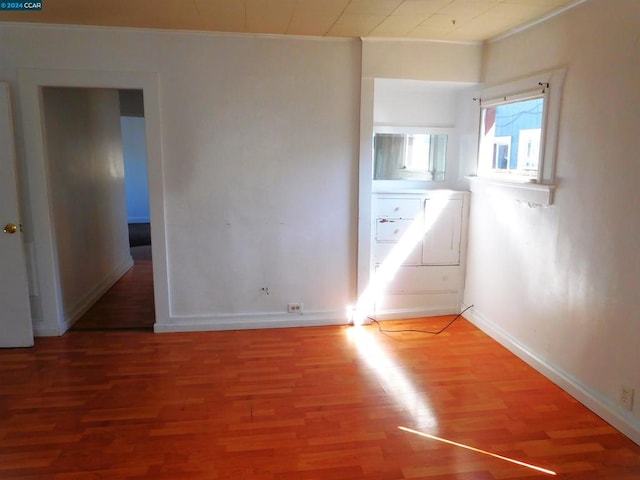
(409, 156)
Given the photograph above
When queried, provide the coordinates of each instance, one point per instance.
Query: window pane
(510, 138)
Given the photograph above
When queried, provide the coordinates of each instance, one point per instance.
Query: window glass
(511, 137)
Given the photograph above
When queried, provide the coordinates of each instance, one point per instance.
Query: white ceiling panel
(354, 24)
(310, 23)
(468, 8)
(420, 7)
(271, 16)
(373, 7)
(328, 7)
(396, 26)
(222, 15)
(467, 20)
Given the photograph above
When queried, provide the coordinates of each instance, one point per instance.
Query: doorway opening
(106, 280)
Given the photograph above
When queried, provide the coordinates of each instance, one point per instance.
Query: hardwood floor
(129, 303)
(305, 403)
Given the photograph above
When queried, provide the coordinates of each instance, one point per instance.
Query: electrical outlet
(294, 307)
(626, 397)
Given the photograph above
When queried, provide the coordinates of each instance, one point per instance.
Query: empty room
(391, 239)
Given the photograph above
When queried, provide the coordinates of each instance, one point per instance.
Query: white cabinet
(441, 243)
(421, 239)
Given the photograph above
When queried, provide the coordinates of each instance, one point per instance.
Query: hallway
(129, 303)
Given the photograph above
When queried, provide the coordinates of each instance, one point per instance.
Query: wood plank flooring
(129, 303)
(305, 403)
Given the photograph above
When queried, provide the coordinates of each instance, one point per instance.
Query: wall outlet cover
(626, 397)
(294, 307)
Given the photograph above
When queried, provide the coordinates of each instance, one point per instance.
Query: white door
(15, 314)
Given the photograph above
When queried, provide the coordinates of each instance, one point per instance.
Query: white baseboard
(73, 314)
(46, 332)
(250, 321)
(602, 406)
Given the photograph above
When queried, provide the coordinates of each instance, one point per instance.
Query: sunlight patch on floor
(477, 450)
(393, 378)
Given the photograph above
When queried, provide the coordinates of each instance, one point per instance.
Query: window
(519, 132)
(511, 137)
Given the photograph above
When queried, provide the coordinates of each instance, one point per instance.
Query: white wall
(261, 167)
(421, 60)
(558, 285)
(414, 103)
(86, 180)
(258, 155)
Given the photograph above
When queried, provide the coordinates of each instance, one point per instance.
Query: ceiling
(452, 20)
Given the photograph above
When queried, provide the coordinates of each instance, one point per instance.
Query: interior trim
(593, 400)
(530, 193)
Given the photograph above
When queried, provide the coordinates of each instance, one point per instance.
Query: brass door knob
(10, 228)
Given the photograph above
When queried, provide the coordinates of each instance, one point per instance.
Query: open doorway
(129, 303)
(105, 283)
(50, 314)
(134, 153)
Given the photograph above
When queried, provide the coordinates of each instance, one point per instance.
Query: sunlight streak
(392, 378)
(386, 272)
(495, 455)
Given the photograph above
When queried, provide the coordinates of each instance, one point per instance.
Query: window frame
(547, 85)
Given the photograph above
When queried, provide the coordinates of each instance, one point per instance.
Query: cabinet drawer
(397, 207)
(391, 229)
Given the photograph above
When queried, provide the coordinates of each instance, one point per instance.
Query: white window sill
(531, 193)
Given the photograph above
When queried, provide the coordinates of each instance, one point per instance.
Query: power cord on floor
(384, 330)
